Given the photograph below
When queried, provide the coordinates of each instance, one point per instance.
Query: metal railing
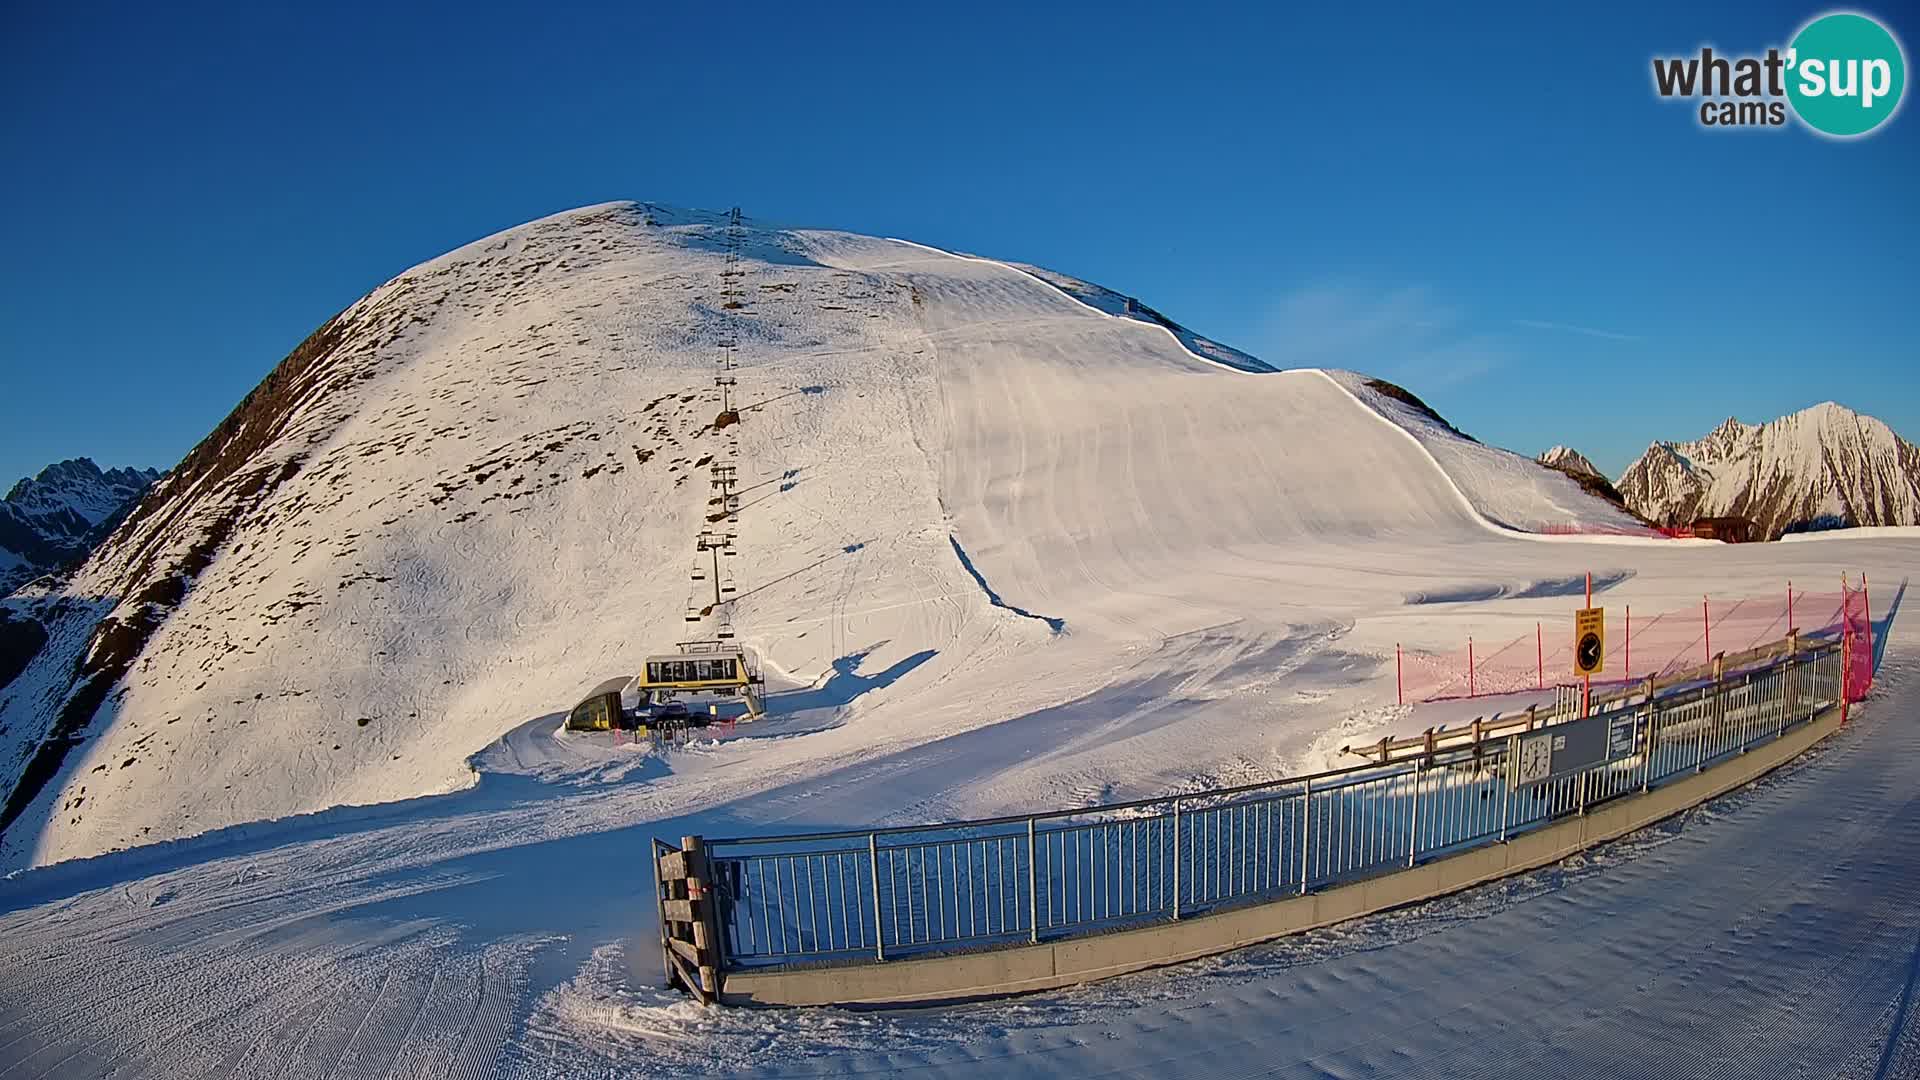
(876, 895)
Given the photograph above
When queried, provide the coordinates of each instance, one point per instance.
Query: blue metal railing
(876, 895)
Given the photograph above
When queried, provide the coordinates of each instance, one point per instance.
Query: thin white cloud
(1569, 328)
(1406, 333)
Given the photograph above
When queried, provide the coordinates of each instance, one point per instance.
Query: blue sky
(1491, 208)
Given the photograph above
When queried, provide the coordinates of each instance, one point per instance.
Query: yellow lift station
(700, 667)
(703, 667)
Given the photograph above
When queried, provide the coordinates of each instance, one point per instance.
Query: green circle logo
(1845, 74)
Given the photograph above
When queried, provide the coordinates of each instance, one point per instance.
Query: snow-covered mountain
(1568, 460)
(51, 520)
(1575, 465)
(967, 490)
(1823, 466)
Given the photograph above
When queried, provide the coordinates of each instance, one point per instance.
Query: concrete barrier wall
(1049, 965)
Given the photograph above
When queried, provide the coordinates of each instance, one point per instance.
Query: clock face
(1536, 759)
(1589, 652)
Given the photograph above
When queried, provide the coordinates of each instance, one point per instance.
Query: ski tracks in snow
(269, 979)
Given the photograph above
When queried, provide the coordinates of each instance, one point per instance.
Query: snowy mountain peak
(477, 491)
(54, 518)
(1821, 467)
(1568, 460)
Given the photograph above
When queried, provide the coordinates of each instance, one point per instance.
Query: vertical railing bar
(1176, 858)
(1413, 818)
(850, 906)
(1306, 825)
(766, 916)
(1033, 898)
(813, 914)
(781, 895)
(937, 911)
(895, 872)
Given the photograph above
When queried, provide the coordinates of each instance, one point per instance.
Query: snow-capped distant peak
(1569, 460)
(1824, 466)
(57, 516)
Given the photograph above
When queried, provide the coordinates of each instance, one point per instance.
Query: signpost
(1590, 641)
(1589, 650)
(1572, 747)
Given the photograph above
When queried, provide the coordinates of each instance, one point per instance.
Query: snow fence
(1660, 645)
(989, 894)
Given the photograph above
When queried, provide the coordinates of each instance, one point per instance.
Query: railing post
(1717, 714)
(1413, 827)
(1176, 858)
(1033, 887)
(1580, 806)
(1306, 818)
(1653, 738)
(1790, 683)
(873, 869)
(1746, 728)
(1512, 769)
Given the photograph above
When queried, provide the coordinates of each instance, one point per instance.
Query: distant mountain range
(1822, 467)
(56, 518)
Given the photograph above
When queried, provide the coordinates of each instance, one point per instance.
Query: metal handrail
(874, 895)
(1681, 696)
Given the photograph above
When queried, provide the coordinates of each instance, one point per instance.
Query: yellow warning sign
(1589, 641)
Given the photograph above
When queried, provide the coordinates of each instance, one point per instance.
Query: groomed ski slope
(979, 493)
(486, 933)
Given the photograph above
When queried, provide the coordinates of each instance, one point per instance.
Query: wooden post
(660, 891)
(700, 889)
(1399, 676)
(689, 919)
(1469, 667)
(1539, 657)
(1627, 640)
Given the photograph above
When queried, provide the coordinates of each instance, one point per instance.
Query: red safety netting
(1856, 631)
(1584, 528)
(1639, 644)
